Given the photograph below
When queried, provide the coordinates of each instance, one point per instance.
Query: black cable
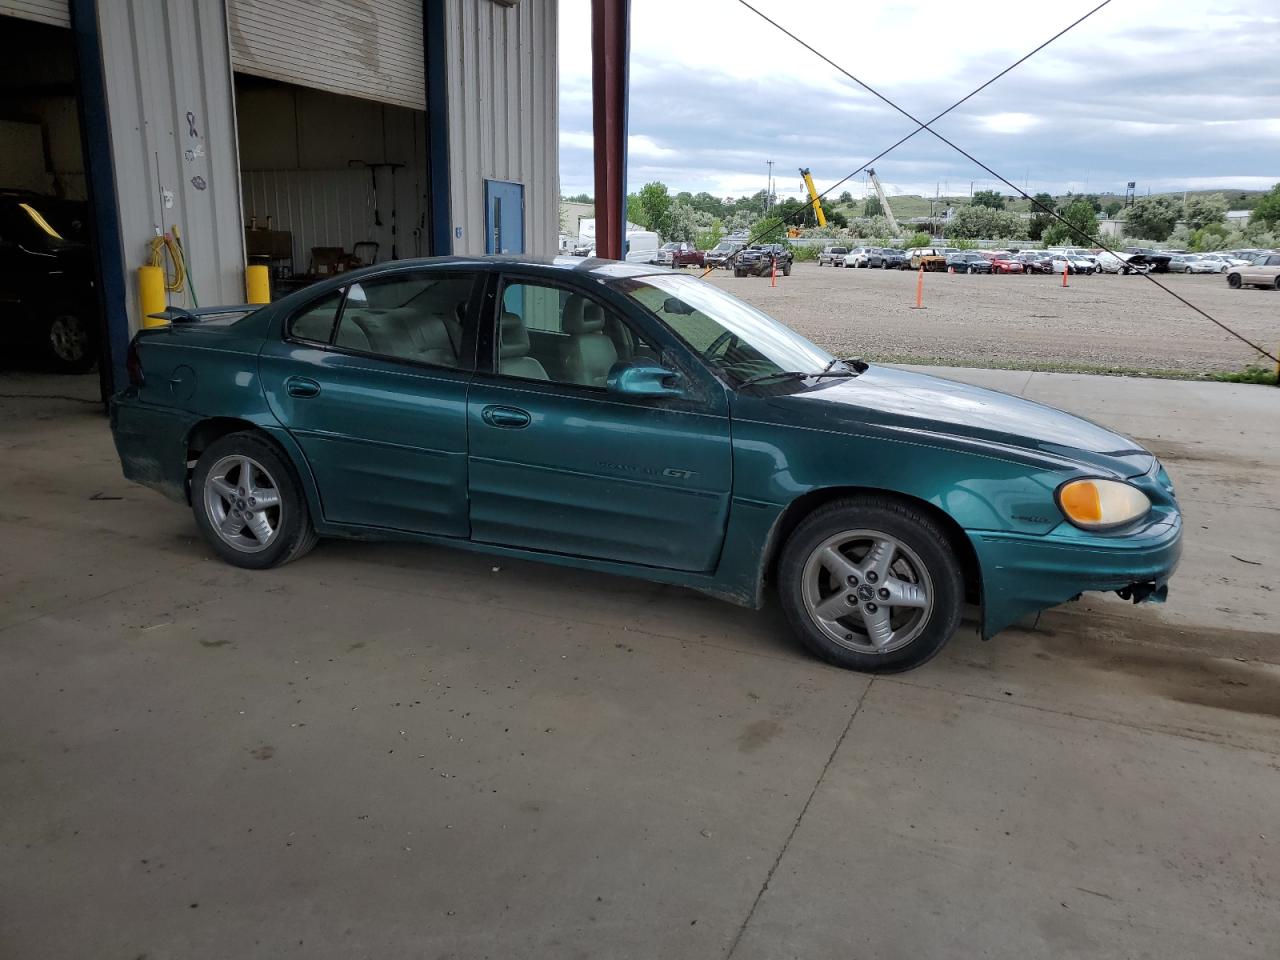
(971, 158)
(921, 126)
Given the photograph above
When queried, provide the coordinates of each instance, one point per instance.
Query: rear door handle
(511, 418)
(301, 387)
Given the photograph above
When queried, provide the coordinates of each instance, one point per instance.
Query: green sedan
(633, 420)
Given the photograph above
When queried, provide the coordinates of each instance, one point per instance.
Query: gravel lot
(1098, 323)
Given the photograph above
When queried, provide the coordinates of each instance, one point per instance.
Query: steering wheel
(720, 341)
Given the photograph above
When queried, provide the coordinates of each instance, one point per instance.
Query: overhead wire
(925, 125)
(920, 126)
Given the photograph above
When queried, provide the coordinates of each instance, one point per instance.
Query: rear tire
(1276, 283)
(786, 269)
(234, 479)
(894, 561)
(69, 344)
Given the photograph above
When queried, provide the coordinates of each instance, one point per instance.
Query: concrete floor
(397, 751)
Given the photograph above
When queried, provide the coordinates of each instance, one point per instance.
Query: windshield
(734, 337)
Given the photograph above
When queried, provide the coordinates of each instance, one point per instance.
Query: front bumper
(1024, 574)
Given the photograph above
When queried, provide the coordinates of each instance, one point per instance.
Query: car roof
(594, 266)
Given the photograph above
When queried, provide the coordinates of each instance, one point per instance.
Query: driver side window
(549, 333)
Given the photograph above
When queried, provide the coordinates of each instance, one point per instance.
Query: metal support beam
(610, 52)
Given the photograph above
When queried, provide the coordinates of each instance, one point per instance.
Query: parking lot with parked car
(1106, 321)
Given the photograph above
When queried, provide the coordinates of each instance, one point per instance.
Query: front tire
(1233, 281)
(870, 584)
(249, 504)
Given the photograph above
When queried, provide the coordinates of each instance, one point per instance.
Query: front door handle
(511, 418)
(301, 387)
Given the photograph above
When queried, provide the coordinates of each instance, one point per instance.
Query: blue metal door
(504, 217)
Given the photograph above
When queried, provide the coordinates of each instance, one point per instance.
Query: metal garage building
(272, 129)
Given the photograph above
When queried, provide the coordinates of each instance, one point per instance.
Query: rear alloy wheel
(871, 584)
(1233, 281)
(1276, 283)
(248, 503)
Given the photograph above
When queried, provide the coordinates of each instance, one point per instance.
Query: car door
(371, 380)
(560, 464)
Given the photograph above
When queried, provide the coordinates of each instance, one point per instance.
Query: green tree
(982, 222)
(919, 239)
(1083, 222)
(1202, 211)
(1112, 208)
(1152, 218)
(579, 198)
(872, 207)
(846, 198)
(770, 230)
(1266, 213)
(837, 218)
(650, 208)
(708, 237)
(1040, 219)
(988, 198)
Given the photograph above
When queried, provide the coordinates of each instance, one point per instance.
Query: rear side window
(315, 322)
(415, 317)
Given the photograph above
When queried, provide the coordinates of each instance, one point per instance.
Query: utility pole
(768, 190)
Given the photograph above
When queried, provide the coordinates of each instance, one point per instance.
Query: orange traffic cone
(920, 291)
(1064, 274)
(773, 272)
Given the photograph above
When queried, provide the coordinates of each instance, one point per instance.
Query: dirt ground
(1104, 323)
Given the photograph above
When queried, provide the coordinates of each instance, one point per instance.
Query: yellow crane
(813, 196)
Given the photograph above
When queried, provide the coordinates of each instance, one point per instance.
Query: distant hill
(912, 205)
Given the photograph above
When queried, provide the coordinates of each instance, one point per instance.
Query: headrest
(515, 338)
(581, 316)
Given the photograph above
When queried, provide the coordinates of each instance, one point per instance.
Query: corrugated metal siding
(162, 60)
(362, 48)
(334, 208)
(503, 115)
(56, 12)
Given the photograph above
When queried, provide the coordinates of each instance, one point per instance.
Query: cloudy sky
(1170, 93)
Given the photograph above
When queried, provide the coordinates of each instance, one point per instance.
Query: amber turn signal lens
(1095, 504)
(1080, 502)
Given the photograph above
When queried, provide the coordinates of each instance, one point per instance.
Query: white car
(858, 257)
(1223, 261)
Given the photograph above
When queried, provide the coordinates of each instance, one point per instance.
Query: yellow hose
(176, 281)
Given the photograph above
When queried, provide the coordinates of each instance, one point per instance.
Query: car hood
(903, 399)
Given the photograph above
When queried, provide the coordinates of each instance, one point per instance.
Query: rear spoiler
(183, 315)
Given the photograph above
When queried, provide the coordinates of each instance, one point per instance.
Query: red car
(1004, 263)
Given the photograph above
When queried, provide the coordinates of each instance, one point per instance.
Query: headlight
(1101, 504)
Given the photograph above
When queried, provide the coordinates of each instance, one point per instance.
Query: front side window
(550, 333)
(416, 317)
(733, 337)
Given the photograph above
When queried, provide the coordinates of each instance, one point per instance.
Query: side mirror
(643, 378)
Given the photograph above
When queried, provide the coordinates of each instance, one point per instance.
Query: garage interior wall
(304, 160)
(502, 101)
(39, 126)
(169, 105)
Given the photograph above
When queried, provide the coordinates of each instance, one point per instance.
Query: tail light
(133, 364)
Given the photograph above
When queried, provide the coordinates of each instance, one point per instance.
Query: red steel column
(610, 51)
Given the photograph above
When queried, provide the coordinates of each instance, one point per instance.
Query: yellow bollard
(151, 298)
(257, 284)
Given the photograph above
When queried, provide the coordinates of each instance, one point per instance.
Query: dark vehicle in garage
(48, 312)
(762, 259)
(634, 420)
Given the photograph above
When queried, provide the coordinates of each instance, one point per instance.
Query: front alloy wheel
(871, 583)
